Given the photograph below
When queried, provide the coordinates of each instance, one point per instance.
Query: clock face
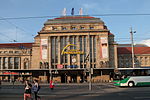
(74, 60)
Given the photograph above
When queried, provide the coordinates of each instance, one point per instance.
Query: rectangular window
(16, 51)
(5, 63)
(5, 51)
(53, 49)
(82, 27)
(10, 51)
(10, 63)
(91, 27)
(73, 28)
(64, 28)
(54, 28)
(16, 63)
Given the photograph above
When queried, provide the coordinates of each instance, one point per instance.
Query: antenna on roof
(81, 11)
(64, 12)
(72, 11)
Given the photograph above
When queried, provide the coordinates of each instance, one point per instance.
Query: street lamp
(90, 74)
(132, 45)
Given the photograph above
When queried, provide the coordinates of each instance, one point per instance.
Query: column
(78, 55)
(98, 51)
(59, 51)
(19, 63)
(68, 48)
(50, 54)
(92, 56)
(115, 56)
(13, 63)
(1, 64)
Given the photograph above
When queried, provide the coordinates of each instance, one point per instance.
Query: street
(101, 91)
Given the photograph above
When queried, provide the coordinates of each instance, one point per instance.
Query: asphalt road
(102, 91)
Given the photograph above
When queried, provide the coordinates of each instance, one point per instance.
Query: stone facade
(82, 33)
(15, 57)
(141, 57)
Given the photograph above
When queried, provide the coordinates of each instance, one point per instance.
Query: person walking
(27, 90)
(51, 86)
(36, 88)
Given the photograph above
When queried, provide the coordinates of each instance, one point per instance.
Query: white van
(134, 81)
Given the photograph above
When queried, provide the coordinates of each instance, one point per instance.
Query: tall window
(26, 63)
(85, 48)
(146, 61)
(54, 51)
(63, 43)
(10, 63)
(5, 63)
(81, 48)
(16, 63)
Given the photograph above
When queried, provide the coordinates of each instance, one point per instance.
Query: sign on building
(44, 46)
(104, 47)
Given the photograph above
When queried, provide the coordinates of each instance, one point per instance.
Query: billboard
(104, 47)
(44, 46)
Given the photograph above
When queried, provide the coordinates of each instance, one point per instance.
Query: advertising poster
(44, 46)
(104, 47)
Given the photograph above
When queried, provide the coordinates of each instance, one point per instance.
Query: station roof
(16, 45)
(137, 50)
(73, 20)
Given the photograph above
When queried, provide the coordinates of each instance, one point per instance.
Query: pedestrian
(51, 86)
(27, 90)
(36, 88)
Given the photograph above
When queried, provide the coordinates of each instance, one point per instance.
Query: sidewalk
(59, 88)
(19, 83)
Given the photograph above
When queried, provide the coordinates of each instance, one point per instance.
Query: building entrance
(64, 78)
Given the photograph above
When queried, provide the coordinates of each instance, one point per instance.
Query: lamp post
(132, 45)
(90, 75)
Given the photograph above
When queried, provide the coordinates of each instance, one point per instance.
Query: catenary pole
(90, 75)
(132, 45)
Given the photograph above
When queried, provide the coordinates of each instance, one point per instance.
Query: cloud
(146, 42)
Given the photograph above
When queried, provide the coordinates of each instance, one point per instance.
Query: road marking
(142, 98)
(91, 95)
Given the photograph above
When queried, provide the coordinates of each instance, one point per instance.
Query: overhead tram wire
(16, 26)
(36, 17)
(10, 39)
(16, 18)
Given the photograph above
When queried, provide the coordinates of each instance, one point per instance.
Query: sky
(24, 30)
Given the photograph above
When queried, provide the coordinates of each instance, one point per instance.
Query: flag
(72, 11)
